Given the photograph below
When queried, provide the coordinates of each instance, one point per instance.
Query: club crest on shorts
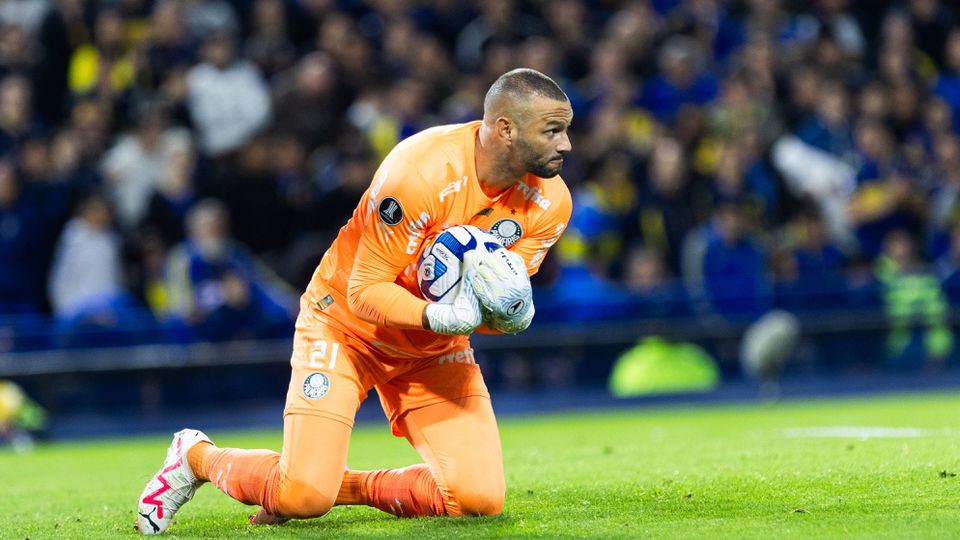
(507, 231)
(390, 211)
(316, 385)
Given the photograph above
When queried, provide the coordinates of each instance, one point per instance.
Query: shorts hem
(330, 416)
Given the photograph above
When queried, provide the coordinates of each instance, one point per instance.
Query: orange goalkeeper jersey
(366, 284)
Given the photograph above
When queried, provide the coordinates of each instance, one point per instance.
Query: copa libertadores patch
(390, 211)
(507, 231)
(316, 385)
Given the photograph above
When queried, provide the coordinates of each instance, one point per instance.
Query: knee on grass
(472, 502)
(302, 503)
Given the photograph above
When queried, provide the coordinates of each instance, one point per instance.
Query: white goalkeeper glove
(503, 288)
(460, 317)
(511, 325)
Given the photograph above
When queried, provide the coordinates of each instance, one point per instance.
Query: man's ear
(505, 129)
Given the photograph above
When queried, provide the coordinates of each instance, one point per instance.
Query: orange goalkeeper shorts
(332, 372)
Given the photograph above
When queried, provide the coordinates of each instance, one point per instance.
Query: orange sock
(249, 476)
(406, 492)
(195, 459)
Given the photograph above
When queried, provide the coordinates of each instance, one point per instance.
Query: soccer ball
(438, 272)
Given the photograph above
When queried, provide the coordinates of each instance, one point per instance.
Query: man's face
(542, 137)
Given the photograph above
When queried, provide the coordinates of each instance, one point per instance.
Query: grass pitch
(866, 468)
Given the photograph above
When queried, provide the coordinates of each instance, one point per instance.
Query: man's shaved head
(516, 87)
(525, 121)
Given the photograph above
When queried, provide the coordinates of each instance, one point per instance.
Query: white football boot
(172, 486)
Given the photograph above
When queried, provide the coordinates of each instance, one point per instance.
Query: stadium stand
(730, 157)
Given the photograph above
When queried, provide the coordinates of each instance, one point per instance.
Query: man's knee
(301, 501)
(477, 501)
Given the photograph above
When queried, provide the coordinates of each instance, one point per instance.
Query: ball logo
(390, 211)
(428, 269)
(316, 385)
(507, 231)
(515, 307)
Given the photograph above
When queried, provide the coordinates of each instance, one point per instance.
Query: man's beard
(546, 169)
(543, 169)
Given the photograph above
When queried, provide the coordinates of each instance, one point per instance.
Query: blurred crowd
(173, 169)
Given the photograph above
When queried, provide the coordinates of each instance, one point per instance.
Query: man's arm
(399, 205)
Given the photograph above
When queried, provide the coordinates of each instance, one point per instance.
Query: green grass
(757, 471)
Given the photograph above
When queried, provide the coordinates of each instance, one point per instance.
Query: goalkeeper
(363, 325)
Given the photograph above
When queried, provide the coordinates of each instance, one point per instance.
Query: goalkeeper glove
(460, 317)
(503, 289)
(511, 325)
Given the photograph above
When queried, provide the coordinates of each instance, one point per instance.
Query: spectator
(915, 304)
(134, 165)
(309, 101)
(666, 207)
(167, 48)
(104, 68)
(218, 289)
(820, 263)
(249, 188)
(651, 293)
(87, 287)
(268, 46)
(206, 17)
(828, 128)
(61, 31)
(600, 206)
(732, 180)
(802, 97)
(87, 267)
(947, 84)
(836, 21)
(944, 195)
(930, 22)
(683, 80)
(172, 197)
(734, 267)
(948, 267)
(809, 269)
(885, 198)
(16, 120)
(21, 272)
(228, 100)
(499, 21)
(18, 52)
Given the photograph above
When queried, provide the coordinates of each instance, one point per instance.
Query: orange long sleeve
(373, 296)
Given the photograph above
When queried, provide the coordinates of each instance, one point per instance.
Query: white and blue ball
(439, 270)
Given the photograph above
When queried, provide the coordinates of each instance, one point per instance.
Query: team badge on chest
(507, 231)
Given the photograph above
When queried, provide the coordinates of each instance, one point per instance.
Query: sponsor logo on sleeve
(452, 188)
(416, 229)
(390, 211)
(507, 231)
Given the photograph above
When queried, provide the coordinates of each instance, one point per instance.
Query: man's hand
(503, 289)
(462, 316)
(511, 325)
